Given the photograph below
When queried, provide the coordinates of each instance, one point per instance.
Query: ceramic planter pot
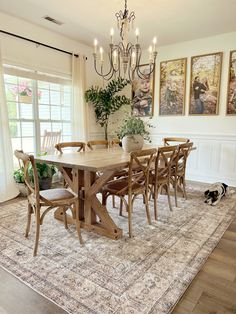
(45, 184)
(22, 189)
(132, 142)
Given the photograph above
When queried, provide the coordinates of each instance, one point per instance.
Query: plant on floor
(106, 101)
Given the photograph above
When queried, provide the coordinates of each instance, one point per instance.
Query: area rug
(145, 274)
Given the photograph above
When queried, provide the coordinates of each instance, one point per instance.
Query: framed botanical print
(172, 87)
(205, 84)
(231, 94)
(143, 92)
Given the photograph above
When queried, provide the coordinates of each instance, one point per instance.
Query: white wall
(214, 136)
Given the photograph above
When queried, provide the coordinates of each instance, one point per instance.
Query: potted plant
(106, 101)
(24, 92)
(45, 174)
(18, 176)
(133, 132)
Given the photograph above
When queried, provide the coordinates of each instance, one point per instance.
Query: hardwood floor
(212, 291)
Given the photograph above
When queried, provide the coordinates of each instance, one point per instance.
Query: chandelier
(124, 57)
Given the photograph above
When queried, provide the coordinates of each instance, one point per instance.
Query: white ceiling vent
(51, 19)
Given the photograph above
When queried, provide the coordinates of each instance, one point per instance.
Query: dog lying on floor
(215, 192)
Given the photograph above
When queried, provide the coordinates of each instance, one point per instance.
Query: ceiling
(170, 20)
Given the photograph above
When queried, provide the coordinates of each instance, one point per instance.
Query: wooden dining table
(80, 171)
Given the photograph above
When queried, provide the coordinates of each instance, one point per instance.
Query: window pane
(45, 126)
(26, 111)
(27, 128)
(67, 99)
(16, 143)
(56, 112)
(56, 127)
(66, 129)
(15, 129)
(24, 82)
(13, 111)
(28, 145)
(11, 92)
(10, 79)
(66, 113)
(44, 112)
(66, 138)
(42, 84)
(54, 86)
(43, 96)
(55, 98)
(67, 88)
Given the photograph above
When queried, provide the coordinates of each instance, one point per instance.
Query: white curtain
(8, 188)
(79, 119)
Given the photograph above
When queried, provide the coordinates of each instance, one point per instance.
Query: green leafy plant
(18, 175)
(132, 126)
(106, 102)
(44, 171)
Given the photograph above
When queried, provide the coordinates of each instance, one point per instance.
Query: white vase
(132, 142)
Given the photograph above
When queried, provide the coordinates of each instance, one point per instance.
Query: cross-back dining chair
(178, 169)
(160, 177)
(79, 145)
(96, 144)
(47, 199)
(175, 140)
(50, 139)
(135, 184)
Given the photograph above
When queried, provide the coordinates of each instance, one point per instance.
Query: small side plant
(133, 126)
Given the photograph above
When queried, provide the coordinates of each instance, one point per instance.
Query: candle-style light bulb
(133, 56)
(154, 44)
(112, 34)
(101, 54)
(115, 57)
(137, 34)
(95, 45)
(150, 54)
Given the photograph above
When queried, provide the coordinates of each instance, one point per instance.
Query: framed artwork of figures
(172, 87)
(205, 84)
(143, 93)
(231, 95)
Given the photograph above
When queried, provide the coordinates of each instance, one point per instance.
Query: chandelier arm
(100, 73)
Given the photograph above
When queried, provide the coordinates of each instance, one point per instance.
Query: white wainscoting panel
(214, 160)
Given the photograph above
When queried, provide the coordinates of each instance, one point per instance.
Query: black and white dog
(215, 192)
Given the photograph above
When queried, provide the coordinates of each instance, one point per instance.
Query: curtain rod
(38, 43)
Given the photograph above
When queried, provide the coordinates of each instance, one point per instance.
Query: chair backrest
(170, 140)
(143, 160)
(164, 161)
(79, 145)
(27, 161)
(182, 156)
(50, 139)
(97, 144)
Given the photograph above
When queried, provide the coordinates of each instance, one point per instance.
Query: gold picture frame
(142, 93)
(172, 87)
(231, 89)
(205, 84)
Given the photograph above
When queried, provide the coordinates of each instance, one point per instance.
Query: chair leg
(168, 195)
(113, 201)
(175, 189)
(65, 218)
(184, 188)
(129, 216)
(147, 208)
(155, 202)
(37, 218)
(30, 211)
(121, 206)
(77, 223)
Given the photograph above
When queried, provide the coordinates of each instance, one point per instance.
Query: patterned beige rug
(146, 274)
